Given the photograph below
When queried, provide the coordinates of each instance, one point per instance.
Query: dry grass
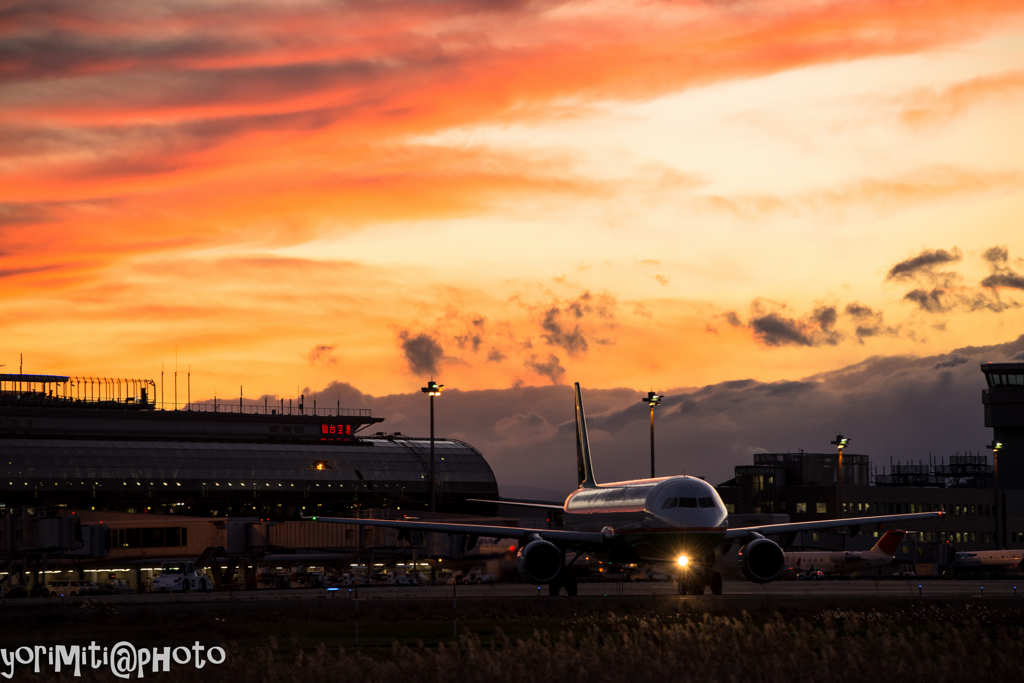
(936, 643)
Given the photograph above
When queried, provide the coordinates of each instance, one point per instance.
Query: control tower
(1004, 413)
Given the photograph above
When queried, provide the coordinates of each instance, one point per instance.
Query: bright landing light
(683, 561)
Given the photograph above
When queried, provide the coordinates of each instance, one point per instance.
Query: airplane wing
(520, 503)
(588, 537)
(743, 532)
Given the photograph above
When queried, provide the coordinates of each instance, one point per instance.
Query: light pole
(432, 389)
(653, 399)
(994, 447)
(840, 443)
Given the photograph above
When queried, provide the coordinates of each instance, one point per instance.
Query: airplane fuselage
(653, 520)
(987, 560)
(835, 562)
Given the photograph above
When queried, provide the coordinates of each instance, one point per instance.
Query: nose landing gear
(698, 576)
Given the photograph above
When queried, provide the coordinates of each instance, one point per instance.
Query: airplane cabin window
(707, 502)
(687, 502)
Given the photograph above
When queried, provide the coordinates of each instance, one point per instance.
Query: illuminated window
(801, 508)
(821, 508)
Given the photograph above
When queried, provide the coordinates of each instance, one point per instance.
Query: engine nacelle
(762, 560)
(539, 562)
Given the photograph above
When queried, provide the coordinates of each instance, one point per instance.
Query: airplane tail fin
(888, 543)
(583, 461)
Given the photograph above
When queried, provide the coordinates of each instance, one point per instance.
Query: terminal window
(821, 508)
(801, 508)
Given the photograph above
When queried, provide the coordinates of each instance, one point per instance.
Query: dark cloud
(732, 319)
(951, 362)
(857, 310)
(930, 301)
(924, 261)
(870, 323)
(572, 341)
(550, 368)
(825, 317)
(474, 340)
(602, 305)
(591, 310)
(1004, 279)
(342, 395)
(320, 355)
(422, 352)
(772, 329)
(997, 255)
(495, 356)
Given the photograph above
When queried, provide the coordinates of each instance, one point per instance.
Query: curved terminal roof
(378, 464)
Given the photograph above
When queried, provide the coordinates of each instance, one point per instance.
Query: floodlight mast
(652, 399)
(995, 446)
(840, 443)
(432, 389)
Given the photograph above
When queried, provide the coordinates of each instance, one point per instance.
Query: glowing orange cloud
(153, 127)
(136, 136)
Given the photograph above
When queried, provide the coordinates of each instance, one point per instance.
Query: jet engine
(762, 560)
(539, 562)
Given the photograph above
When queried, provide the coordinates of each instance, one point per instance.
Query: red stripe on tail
(889, 542)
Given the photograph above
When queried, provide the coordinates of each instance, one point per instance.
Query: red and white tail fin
(888, 543)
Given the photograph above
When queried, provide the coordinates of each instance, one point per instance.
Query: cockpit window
(670, 503)
(707, 502)
(687, 502)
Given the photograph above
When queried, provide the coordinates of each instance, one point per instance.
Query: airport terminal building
(108, 448)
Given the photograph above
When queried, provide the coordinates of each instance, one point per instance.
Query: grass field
(519, 640)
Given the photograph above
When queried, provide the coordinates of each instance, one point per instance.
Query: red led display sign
(333, 431)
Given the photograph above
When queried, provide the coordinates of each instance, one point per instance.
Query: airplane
(677, 519)
(987, 560)
(829, 562)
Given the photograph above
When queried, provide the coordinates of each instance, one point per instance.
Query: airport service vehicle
(268, 579)
(811, 575)
(401, 581)
(987, 560)
(394, 579)
(307, 580)
(679, 520)
(180, 577)
(830, 562)
(71, 588)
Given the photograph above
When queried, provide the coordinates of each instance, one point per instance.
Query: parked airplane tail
(888, 543)
(583, 461)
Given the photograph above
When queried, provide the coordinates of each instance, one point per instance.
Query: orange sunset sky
(501, 194)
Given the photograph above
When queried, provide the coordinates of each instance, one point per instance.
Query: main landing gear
(698, 576)
(569, 583)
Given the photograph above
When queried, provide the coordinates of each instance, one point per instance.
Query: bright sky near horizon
(643, 194)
